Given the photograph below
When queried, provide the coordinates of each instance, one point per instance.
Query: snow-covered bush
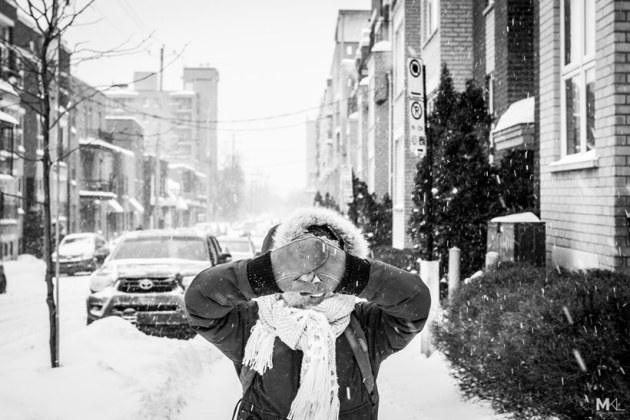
(539, 342)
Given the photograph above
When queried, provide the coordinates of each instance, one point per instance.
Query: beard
(296, 300)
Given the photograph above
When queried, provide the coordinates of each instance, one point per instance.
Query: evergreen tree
(468, 192)
(516, 180)
(437, 130)
(318, 200)
(329, 202)
(373, 217)
(464, 187)
(383, 222)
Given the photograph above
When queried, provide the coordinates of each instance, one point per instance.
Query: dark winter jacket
(220, 308)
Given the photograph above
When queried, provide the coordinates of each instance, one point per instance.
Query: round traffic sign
(415, 68)
(416, 110)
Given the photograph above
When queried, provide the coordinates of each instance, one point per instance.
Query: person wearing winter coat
(283, 319)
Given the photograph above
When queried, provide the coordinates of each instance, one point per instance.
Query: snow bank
(109, 370)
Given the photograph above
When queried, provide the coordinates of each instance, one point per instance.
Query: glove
(331, 272)
(301, 256)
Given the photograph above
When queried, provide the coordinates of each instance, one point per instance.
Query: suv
(80, 252)
(144, 279)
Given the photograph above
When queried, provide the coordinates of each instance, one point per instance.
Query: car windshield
(77, 244)
(235, 246)
(189, 248)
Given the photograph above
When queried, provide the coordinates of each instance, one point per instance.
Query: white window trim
(429, 32)
(575, 161)
(577, 68)
(400, 64)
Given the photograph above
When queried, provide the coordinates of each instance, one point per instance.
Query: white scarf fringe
(313, 331)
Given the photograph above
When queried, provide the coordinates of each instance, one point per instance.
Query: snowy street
(112, 371)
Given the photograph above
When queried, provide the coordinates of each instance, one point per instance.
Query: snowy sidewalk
(411, 387)
(111, 371)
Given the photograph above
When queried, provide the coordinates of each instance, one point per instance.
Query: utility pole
(156, 206)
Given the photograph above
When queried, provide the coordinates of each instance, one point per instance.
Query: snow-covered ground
(112, 371)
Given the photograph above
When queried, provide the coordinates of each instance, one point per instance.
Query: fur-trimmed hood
(298, 221)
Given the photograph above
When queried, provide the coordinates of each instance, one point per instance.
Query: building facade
(583, 118)
(337, 123)
(180, 128)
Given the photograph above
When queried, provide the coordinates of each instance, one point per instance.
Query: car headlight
(101, 281)
(96, 304)
(86, 255)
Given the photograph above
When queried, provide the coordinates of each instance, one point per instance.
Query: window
(578, 76)
(349, 50)
(432, 17)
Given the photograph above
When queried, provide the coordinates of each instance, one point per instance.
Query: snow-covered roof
(526, 217)
(91, 141)
(520, 112)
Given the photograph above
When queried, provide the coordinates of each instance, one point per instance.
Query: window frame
(577, 68)
(431, 17)
(400, 62)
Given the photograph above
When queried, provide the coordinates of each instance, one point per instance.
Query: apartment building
(583, 116)
(337, 122)
(180, 128)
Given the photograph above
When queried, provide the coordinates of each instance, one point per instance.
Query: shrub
(539, 342)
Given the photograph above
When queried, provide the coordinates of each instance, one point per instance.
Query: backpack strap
(358, 343)
(246, 377)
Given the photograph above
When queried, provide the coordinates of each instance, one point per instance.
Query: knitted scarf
(313, 331)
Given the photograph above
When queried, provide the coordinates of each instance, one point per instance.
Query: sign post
(416, 107)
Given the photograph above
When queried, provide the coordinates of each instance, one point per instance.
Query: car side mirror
(225, 257)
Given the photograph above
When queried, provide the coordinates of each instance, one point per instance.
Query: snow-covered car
(239, 247)
(80, 252)
(144, 279)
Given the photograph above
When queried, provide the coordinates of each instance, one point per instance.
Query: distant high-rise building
(179, 125)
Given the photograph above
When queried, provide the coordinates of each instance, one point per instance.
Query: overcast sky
(273, 57)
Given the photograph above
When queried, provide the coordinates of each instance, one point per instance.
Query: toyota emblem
(145, 284)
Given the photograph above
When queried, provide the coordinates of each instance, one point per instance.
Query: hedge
(542, 343)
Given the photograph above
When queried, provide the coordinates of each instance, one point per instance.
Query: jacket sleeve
(397, 306)
(218, 302)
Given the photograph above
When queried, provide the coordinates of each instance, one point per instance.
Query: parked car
(144, 279)
(80, 252)
(239, 247)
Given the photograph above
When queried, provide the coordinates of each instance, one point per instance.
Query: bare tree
(48, 90)
(42, 60)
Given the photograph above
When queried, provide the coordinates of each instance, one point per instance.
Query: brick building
(337, 123)
(583, 117)
(179, 127)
